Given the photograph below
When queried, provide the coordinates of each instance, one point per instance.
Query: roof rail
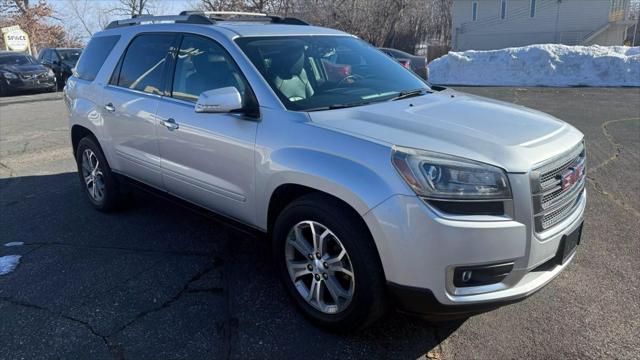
(194, 18)
(245, 16)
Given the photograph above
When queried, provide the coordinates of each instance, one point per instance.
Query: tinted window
(69, 56)
(203, 65)
(144, 63)
(94, 56)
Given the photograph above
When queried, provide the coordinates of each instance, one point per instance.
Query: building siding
(566, 21)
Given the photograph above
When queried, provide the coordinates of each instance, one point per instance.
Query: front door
(130, 102)
(206, 158)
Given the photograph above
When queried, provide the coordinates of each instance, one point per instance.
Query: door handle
(170, 124)
(109, 107)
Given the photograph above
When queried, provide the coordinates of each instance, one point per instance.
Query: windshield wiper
(409, 94)
(338, 106)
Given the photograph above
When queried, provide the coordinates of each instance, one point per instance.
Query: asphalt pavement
(161, 281)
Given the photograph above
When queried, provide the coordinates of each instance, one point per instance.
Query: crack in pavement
(85, 324)
(11, 171)
(167, 303)
(230, 323)
(617, 149)
(115, 349)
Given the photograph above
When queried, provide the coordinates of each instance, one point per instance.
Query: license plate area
(568, 245)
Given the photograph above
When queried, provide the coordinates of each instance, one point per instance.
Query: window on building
(532, 12)
(474, 10)
(503, 9)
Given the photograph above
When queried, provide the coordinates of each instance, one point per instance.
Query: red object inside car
(405, 62)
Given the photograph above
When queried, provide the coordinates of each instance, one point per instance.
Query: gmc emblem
(571, 176)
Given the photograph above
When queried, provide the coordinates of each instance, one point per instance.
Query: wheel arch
(77, 133)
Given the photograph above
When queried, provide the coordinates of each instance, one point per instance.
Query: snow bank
(540, 65)
(8, 263)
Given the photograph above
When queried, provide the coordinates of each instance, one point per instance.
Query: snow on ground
(8, 263)
(14, 243)
(540, 65)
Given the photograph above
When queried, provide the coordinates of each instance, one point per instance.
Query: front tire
(328, 263)
(96, 178)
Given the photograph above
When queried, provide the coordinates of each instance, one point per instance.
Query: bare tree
(133, 7)
(80, 12)
(34, 17)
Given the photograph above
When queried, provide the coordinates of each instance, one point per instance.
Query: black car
(61, 61)
(21, 72)
(416, 63)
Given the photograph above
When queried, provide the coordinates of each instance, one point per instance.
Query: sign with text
(15, 39)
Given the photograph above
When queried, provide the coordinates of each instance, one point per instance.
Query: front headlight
(50, 73)
(445, 177)
(9, 75)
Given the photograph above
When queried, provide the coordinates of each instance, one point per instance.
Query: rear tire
(97, 180)
(362, 297)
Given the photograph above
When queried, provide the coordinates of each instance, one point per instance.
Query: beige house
(496, 24)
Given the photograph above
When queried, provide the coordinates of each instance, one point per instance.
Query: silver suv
(375, 187)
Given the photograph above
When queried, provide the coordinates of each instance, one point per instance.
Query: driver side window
(203, 65)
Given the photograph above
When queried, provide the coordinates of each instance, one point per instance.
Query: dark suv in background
(61, 61)
(418, 64)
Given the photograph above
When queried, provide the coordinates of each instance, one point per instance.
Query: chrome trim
(552, 204)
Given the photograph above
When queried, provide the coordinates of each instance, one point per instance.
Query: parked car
(417, 64)
(61, 61)
(374, 188)
(21, 72)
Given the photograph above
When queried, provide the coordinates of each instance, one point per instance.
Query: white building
(496, 24)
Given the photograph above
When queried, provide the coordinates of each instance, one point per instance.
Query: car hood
(509, 136)
(24, 68)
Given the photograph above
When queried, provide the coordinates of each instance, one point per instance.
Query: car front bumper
(420, 250)
(29, 84)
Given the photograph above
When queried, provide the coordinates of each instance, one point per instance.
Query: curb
(30, 98)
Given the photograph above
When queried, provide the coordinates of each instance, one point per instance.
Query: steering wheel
(350, 79)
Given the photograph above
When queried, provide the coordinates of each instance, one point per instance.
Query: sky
(95, 12)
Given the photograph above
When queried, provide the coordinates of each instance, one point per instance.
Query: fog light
(481, 275)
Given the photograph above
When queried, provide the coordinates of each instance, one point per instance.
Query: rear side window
(144, 63)
(94, 56)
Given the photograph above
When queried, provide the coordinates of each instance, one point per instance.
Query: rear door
(207, 158)
(130, 102)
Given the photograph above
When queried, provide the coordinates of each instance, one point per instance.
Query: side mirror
(221, 100)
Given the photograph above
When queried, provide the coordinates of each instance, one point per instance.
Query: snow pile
(8, 263)
(540, 65)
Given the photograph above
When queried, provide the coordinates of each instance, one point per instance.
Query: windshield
(70, 55)
(17, 60)
(321, 72)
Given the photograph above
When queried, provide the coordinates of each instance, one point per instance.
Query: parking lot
(162, 281)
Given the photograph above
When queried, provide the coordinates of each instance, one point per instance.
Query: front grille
(551, 202)
(33, 75)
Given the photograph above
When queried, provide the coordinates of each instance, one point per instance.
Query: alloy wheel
(92, 174)
(319, 267)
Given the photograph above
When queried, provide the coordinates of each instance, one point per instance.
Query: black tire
(369, 301)
(112, 196)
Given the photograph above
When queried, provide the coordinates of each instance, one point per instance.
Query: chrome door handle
(170, 124)
(109, 107)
